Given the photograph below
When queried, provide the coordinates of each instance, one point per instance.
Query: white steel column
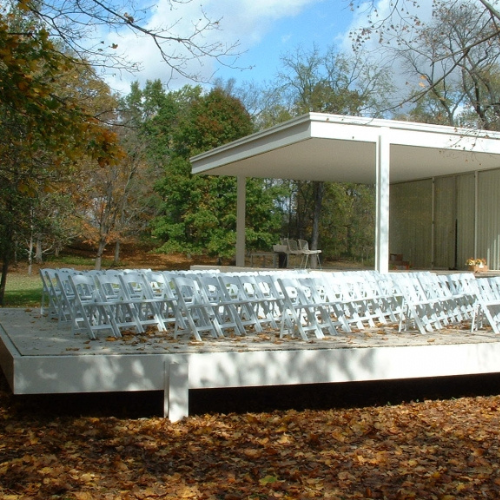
(240, 220)
(383, 153)
(476, 212)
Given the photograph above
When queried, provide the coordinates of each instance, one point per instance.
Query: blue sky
(322, 23)
(264, 29)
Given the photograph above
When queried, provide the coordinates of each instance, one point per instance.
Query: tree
(199, 213)
(44, 128)
(403, 23)
(472, 86)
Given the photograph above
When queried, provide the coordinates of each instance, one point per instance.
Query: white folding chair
(225, 310)
(301, 314)
(90, 313)
(50, 294)
(245, 304)
(488, 306)
(420, 310)
(195, 308)
(272, 298)
(141, 294)
(347, 306)
(445, 305)
(263, 303)
(464, 288)
(123, 309)
(161, 287)
(57, 292)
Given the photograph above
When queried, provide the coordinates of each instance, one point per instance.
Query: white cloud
(245, 22)
(241, 21)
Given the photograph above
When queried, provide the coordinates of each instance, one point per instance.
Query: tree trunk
(319, 190)
(100, 251)
(7, 251)
(30, 254)
(39, 251)
(3, 280)
(116, 259)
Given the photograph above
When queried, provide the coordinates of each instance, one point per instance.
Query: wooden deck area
(38, 356)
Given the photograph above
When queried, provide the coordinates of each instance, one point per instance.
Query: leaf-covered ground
(433, 449)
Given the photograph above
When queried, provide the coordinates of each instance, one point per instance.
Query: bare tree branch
(82, 26)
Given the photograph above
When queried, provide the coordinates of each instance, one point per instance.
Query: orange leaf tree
(44, 128)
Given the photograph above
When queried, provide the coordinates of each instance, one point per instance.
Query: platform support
(176, 402)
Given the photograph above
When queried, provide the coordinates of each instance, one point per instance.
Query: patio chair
(293, 248)
(308, 255)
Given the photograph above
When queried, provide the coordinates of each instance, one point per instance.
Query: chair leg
(318, 261)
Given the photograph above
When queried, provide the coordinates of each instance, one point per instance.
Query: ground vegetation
(318, 445)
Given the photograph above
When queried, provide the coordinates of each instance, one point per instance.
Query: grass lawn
(23, 290)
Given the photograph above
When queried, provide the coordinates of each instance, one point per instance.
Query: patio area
(38, 356)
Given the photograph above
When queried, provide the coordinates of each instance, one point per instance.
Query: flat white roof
(326, 147)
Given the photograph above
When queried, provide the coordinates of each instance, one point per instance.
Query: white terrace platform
(40, 357)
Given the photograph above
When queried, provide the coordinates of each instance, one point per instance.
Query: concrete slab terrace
(38, 356)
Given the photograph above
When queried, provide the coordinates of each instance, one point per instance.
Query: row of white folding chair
(457, 294)
(136, 298)
(360, 301)
(223, 302)
(357, 300)
(131, 300)
(197, 303)
(90, 313)
(57, 295)
(307, 307)
(489, 303)
(386, 293)
(421, 311)
(446, 306)
(113, 301)
(329, 302)
(464, 289)
(435, 301)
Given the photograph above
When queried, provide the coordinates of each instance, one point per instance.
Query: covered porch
(336, 148)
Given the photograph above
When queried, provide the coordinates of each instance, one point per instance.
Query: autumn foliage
(441, 450)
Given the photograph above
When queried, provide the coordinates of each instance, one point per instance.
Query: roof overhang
(339, 148)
